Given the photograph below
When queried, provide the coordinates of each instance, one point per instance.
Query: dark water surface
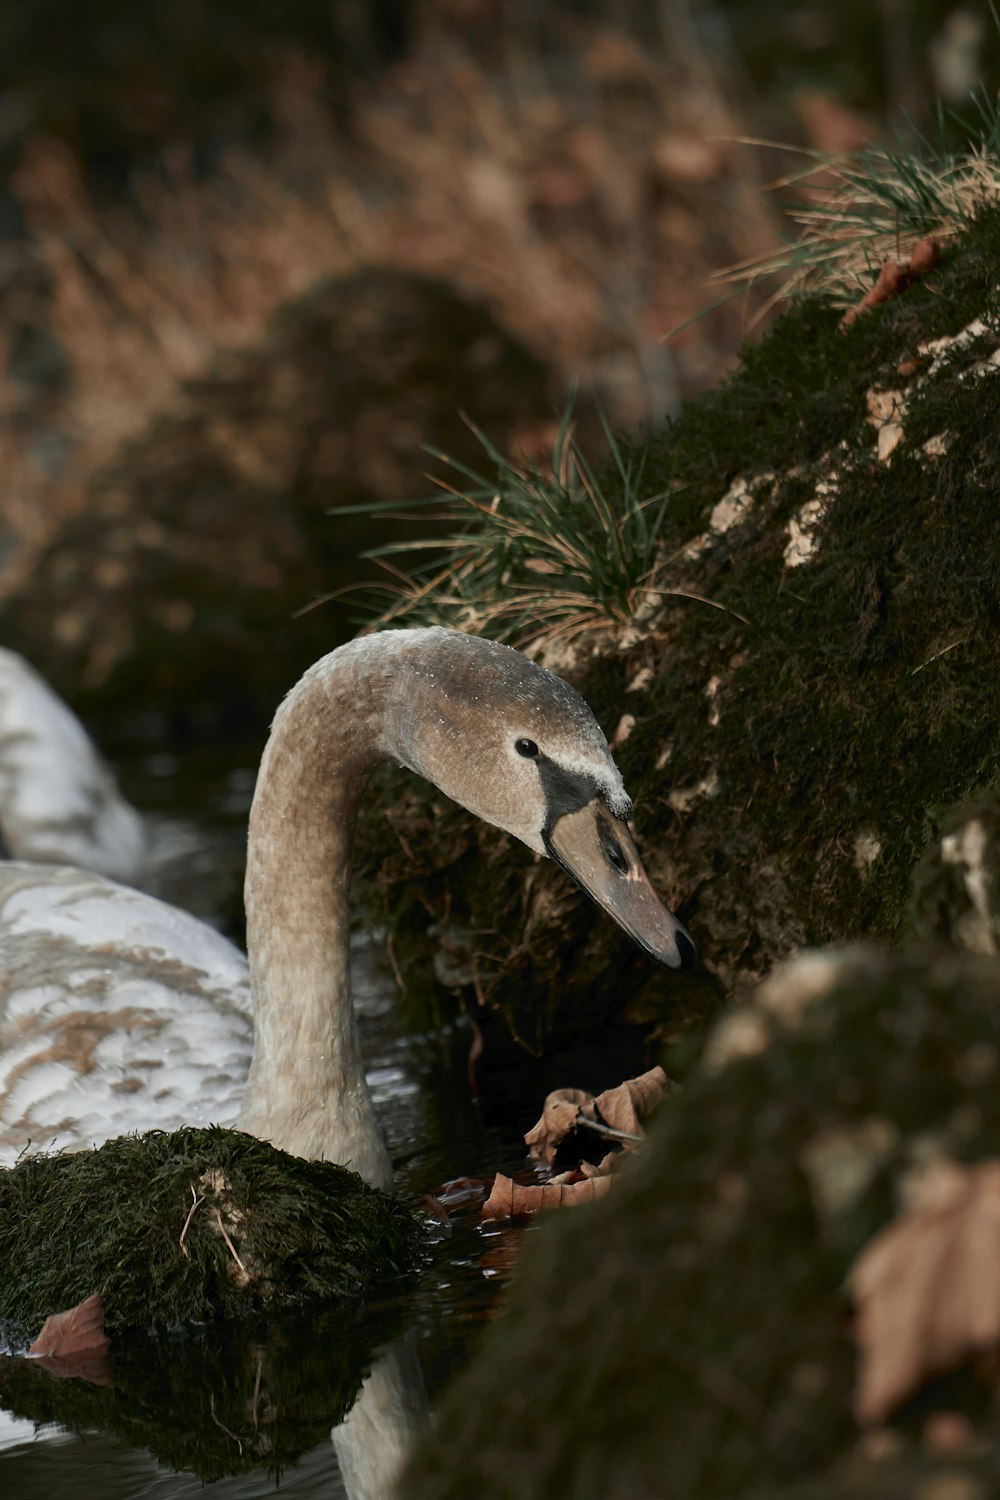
(253, 1416)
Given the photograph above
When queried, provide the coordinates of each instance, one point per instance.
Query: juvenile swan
(119, 1012)
(58, 801)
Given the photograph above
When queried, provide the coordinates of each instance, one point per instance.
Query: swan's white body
(58, 800)
(118, 1012)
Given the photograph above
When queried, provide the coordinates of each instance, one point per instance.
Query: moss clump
(188, 1226)
(688, 1336)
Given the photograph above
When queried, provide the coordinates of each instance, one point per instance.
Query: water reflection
(374, 1440)
(220, 1402)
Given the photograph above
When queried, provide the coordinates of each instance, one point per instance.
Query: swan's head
(519, 748)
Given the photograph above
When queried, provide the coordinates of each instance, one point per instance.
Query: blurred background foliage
(253, 257)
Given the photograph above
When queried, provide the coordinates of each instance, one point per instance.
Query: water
(264, 1407)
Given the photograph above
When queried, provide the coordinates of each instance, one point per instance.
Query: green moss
(121, 1220)
(688, 1335)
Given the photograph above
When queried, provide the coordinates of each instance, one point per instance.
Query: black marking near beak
(598, 850)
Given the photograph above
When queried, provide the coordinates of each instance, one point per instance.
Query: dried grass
(872, 206)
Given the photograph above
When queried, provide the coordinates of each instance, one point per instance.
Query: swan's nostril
(686, 949)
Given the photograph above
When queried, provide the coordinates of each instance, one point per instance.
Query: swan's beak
(598, 850)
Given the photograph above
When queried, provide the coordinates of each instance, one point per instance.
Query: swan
(118, 1011)
(58, 800)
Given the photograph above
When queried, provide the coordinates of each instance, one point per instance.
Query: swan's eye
(527, 748)
(618, 859)
(613, 852)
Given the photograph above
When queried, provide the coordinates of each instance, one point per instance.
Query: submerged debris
(572, 1122)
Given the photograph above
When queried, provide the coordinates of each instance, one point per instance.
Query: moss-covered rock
(189, 1226)
(688, 1336)
(793, 747)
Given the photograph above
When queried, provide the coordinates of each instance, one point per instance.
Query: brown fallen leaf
(895, 276)
(616, 1113)
(625, 1107)
(615, 1117)
(79, 1330)
(927, 1288)
(511, 1200)
(561, 1113)
(74, 1344)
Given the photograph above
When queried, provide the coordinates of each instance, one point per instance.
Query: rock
(688, 1337)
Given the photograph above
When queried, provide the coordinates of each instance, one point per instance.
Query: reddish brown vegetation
(895, 276)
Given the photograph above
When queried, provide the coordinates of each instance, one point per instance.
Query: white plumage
(58, 801)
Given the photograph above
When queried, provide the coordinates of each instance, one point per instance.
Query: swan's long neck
(307, 1091)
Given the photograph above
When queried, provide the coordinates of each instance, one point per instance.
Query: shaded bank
(791, 749)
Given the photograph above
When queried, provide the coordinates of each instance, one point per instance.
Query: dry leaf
(460, 1190)
(615, 1115)
(80, 1330)
(927, 1288)
(621, 1108)
(624, 1107)
(561, 1114)
(74, 1344)
(455, 1195)
(894, 277)
(510, 1199)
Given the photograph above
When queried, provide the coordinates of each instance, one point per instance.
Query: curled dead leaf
(616, 1113)
(625, 1107)
(614, 1118)
(927, 1288)
(561, 1113)
(511, 1200)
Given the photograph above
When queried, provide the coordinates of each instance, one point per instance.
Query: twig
(258, 1377)
(187, 1222)
(221, 1425)
(943, 652)
(232, 1247)
(599, 1127)
(700, 599)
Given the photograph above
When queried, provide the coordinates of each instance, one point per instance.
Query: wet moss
(726, 1366)
(190, 1226)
